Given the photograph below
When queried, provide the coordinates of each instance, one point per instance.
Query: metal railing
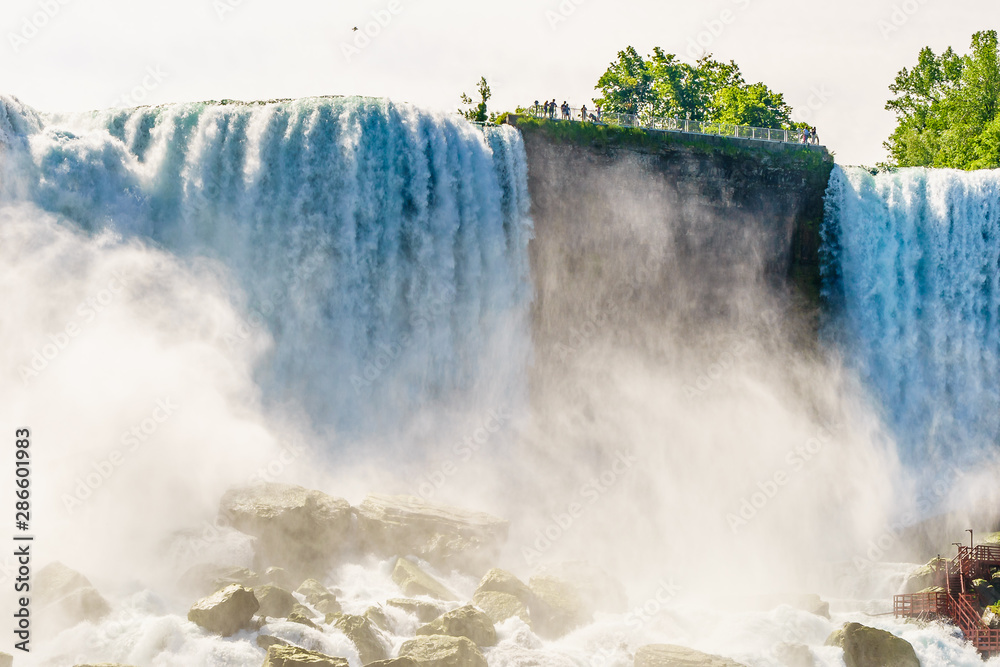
(667, 124)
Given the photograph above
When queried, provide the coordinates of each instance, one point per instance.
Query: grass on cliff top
(610, 136)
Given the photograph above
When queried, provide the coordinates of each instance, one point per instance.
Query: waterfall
(381, 248)
(912, 273)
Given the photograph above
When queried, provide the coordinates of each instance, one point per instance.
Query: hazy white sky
(832, 60)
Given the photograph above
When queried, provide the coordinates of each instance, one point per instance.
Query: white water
(265, 256)
(914, 273)
(382, 249)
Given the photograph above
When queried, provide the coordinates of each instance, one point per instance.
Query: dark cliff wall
(680, 222)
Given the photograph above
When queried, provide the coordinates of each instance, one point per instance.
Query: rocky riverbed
(288, 606)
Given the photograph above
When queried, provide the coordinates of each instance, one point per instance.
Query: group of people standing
(565, 111)
(550, 109)
(809, 134)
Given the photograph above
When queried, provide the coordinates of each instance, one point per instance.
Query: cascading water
(913, 273)
(382, 248)
(367, 262)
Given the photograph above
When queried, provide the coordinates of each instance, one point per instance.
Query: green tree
(709, 90)
(947, 110)
(627, 85)
(755, 105)
(477, 113)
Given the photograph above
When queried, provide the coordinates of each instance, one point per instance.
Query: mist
(199, 298)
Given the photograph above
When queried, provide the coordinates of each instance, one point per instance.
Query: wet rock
(377, 615)
(267, 641)
(414, 581)
(924, 576)
(991, 617)
(466, 622)
(501, 581)
(597, 590)
(293, 656)
(424, 611)
(986, 593)
(365, 636)
(319, 596)
(395, 662)
(870, 647)
(442, 651)
(296, 617)
(444, 536)
(296, 528)
(556, 607)
(794, 655)
(668, 655)
(500, 606)
(225, 612)
(278, 576)
(65, 597)
(274, 602)
(207, 578)
(303, 611)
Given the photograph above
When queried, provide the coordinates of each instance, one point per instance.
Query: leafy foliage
(477, 113)
(709, 90)
(947, 109)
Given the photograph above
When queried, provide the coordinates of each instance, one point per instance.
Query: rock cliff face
(682, 232)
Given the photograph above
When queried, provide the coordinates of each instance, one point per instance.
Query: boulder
(65, 597)
(991, 617)
(442, 651)
(296, 528)
(500, 606)
(446, 537)
(296, 617)
(207, 578)
(556, 607)
(376, 614)
(987, 594)
(278, 576)
(274, 602)
(365, 636)
(292, 656)
(303, 611)
(424, 611)
(465, 621)
(924, 576)
(501, 581)
(870, 647)
(225, 612)
(668, 655)
(414, 581)
(597, 590)
(794, 655)
(319, 596)
(267, 641)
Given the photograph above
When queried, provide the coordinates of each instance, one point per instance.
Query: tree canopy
(946, 108)
(477, 112)
(709, 90)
